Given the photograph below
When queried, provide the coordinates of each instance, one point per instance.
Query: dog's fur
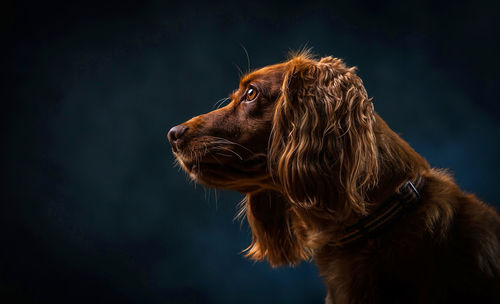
(313, 157)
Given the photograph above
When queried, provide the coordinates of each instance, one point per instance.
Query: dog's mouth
(212, 163)
(225, 171)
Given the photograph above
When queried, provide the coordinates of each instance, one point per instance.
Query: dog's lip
(215, 164)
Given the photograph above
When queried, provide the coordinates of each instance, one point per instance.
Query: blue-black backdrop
(92, 208)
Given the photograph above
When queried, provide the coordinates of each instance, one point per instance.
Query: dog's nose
(175, 134)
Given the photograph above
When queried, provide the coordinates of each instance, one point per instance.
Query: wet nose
(175, 134)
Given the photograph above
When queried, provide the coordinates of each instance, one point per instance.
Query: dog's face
(227, 148)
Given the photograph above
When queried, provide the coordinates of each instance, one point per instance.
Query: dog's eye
(251, 94)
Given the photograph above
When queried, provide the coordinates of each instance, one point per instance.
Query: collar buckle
(411, 187)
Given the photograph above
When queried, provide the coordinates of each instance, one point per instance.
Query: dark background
(93, 209)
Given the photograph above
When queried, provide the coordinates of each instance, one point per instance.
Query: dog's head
(300, 131)
(303, 127)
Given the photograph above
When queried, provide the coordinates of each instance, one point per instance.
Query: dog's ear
(273, 237)
(322, 148)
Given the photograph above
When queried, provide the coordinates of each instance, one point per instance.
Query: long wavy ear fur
(323, 150)
(269, 217)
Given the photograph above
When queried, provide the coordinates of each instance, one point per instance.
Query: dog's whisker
(248, 57)
(222, 154)
(240, 72)
(225, 140)
(219, 103)
(229, 150)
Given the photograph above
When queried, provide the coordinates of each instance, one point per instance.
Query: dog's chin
(240, 175)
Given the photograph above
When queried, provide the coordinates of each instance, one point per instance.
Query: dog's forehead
(268, 73)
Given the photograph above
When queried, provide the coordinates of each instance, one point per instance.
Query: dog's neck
(398, 163)
(406, 198)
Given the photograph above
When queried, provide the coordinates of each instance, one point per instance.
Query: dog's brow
(259, 74)
(247, 79)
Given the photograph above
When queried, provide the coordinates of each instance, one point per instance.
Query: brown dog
(326, 178)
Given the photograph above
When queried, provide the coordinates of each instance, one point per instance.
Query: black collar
(406, 197)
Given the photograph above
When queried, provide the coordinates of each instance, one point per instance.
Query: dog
(325, 178)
